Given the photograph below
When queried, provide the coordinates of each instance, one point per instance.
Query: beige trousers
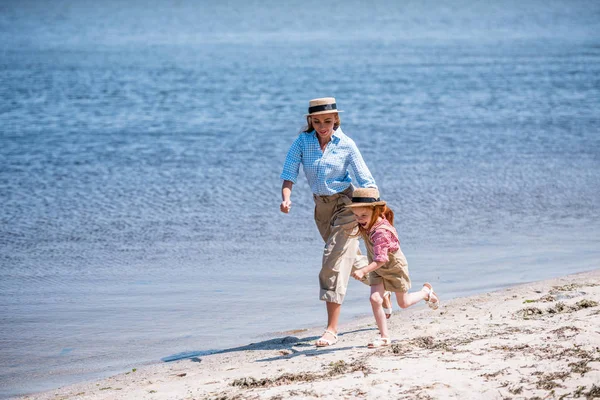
(341, 254)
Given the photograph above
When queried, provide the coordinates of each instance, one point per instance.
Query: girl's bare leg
(406, 299)
(361, 261)
(387, 302)
(376, 302)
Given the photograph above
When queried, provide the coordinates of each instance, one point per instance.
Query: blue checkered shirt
(327, 172)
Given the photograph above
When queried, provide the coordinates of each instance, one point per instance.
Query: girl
(327, 155)
(388, 269)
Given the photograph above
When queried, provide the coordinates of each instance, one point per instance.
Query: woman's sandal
(327, 342)
(379, 342)
(432, 302)
(388, 311)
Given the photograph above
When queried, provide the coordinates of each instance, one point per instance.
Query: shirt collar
(378, 224)
(337, 134)
(335, 137)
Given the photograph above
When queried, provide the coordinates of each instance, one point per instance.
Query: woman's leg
(341, 250)
(376, 302)
(339, 255)
(333, 316)
(338, 258)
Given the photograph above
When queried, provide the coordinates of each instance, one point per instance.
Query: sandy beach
(538, 340)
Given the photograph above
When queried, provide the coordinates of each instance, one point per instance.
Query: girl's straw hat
(366, 197)
(325, 105)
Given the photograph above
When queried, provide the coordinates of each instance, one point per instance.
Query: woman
(326, 155)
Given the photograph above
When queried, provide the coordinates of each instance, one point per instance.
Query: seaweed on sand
(529, 312)
(560, 307)
(427, 342)
(580, 367)
(337, 368)
(548, 381)
(564, 288)
(562, 332)
(585, 303)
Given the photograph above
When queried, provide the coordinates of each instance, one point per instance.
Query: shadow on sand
(287, 345)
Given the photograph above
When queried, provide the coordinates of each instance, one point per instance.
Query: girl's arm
(372, 267)
(361, 273)
(286, 193)
(381, 240)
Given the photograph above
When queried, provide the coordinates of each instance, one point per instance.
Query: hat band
(324, 107)
(365, 199)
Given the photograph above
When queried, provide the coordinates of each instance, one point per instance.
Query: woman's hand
(286, 193)
(285, 206)
(358, 274)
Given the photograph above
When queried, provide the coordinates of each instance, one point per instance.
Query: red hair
(378, 211)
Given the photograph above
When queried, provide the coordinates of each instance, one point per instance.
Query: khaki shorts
(341, 254)
(395, 278)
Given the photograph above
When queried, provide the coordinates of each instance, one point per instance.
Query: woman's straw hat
(324, 105)
(366, 197)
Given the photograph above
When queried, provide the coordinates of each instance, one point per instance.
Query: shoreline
(534, 339)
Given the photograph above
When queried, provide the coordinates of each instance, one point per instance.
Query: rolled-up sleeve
(291, 167)
(383, 243)
(360, 169)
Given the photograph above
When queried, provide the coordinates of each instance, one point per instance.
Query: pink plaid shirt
(383, 241)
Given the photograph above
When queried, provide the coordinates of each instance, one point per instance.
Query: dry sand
(534, 341)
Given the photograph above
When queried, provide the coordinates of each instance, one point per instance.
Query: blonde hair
(309, 127)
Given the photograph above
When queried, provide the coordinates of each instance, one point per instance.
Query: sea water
(142, 142)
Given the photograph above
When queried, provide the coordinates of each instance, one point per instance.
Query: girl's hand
(285, 206)
(358, 274)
